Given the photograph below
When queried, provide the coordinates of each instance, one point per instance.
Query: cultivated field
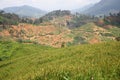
(83, 62)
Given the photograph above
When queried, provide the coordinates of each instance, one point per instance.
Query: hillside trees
(113, 19)
(80, 19)
(52, 15)
(7, 19)
(26, 20)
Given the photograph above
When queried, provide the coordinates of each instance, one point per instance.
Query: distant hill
(80, 10)
(57, 13)
(25, 11)
(104, 7)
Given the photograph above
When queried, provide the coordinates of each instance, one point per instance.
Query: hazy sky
(48, 4)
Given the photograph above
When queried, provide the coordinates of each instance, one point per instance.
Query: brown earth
(45, 35)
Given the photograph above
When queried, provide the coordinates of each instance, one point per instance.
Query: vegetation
(21, 53)
(7, 19)
(79, 20)
(58, 27)
(36, 62)
(113, 19)
(52, 15)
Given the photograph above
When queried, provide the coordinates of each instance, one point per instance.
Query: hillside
(59, 28)
(25, 11)
(104, 7)
(36, 62)
(57, 36)
(59, 45)
(55, 14)
(45, 35)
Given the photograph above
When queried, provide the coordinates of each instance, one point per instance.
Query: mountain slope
(25, 11)
(104, 7)
(44, 35)
(80, 10)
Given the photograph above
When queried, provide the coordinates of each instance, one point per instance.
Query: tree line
(113, 19)
(8, 19)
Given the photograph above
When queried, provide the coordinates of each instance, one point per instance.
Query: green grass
(84, 34)
(115, 31)
(82, 62)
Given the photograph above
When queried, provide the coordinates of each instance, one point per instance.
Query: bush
(117, 38)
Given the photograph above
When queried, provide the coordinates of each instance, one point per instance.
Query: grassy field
(83, 62)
